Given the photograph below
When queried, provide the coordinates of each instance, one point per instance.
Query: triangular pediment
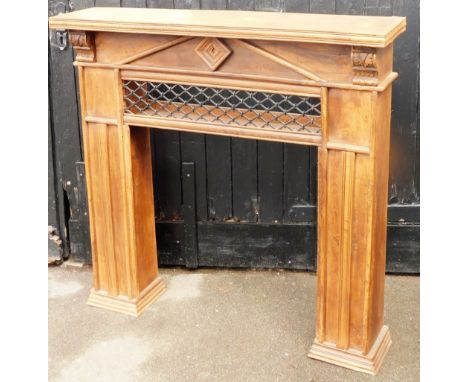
(244, 58)
(120, 47)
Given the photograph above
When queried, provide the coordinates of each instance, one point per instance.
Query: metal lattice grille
(223, 106)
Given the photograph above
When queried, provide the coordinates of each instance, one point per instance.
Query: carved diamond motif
(213, 52)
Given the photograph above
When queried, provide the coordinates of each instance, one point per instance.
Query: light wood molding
(241, 82)
(122, 304)
(223, 130)
(100, 120)
(348, 171)
(369, 363)
(373, 31)
(311, 79)
(237, 81)
(307, 64)
(347, 147)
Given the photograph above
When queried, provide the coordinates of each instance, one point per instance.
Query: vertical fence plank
(160, 3)
(296, 6)
(79, 222)
(193, 148)
(66, 130)
(134, 3)
(213, 4)
(313, 180)
(322, 6)
(218, 170)
(269, 5)
(244, 5)
(350, 7)
(296, 180)
(167, 168)
(270, 181)
(404, 147)
(52, 218)
(187, 4)
(76, 5)
(378, 8)
(244, 180)
(107, 3)
(190, 218)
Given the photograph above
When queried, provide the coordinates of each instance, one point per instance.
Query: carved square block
(364, 61)
(213, 52)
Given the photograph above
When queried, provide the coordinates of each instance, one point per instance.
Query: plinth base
(352, 359)
(121, 304)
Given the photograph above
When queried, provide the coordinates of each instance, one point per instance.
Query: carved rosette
(364, 61)
(83, 44)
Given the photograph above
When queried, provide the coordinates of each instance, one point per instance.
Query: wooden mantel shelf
(322, 80)
(372, 31)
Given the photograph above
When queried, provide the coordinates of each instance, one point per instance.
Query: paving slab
(214, 325)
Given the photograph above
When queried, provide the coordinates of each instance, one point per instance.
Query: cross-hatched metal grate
(223, 106)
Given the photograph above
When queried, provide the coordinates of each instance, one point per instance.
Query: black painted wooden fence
(255, 202)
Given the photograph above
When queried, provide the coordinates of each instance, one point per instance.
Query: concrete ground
(214, 325)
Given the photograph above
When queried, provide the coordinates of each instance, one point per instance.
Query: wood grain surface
(372, 31)
(353, 137)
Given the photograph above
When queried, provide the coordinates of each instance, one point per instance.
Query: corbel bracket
(364, 61)
(83, 44)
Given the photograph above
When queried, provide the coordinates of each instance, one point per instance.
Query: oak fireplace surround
(307, 79)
